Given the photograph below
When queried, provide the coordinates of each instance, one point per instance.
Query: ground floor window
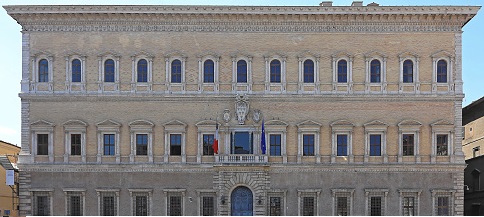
(141, 203)
(174, 205)
(208, 206)
(75, 203)
(275, 208)
(41, 203)
(108, 203)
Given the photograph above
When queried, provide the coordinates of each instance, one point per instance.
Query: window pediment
(141, 123)
(441, 54)
(309, 123)
(143, 54)
(340, 55)
(75, 123)
(42, 54)
(239, 54)
(410, 125)
(275, 55)
(175, 125)
(442, 125)
(275, 123)
(175, 53)
(206, 123)
(408, 55)
(109, 53)
(209, 54)
(374, 54)
(308, 54)
(75, 54)
(42, 123)
(376, 125)
(342, 125)
(108, 124)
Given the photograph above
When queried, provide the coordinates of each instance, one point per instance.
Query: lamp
(259, 200)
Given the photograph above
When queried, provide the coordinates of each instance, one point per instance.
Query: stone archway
(241, 202)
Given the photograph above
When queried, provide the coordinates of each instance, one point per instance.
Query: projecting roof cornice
(242, 18)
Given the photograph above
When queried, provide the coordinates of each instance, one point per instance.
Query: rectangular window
(342, 144)
(308, 206)
(42, 144)
(141, 204)
(275, 208)
(375, 206)
(41, 204)
(443, 206)
(141, 144)
(74, 204)
(442, 147)
(175, 144)
(408, 144)
(476, 151)
(208, 206)
(308, 145)
(208, 144)
(108, 144)
(75, 144)
(275, 144)
(342, 206)
(409, 206)
(108, 204)
(174, 206)
(375, 145)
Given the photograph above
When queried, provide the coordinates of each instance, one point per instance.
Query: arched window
(109, 70)
(275, 68)
(43, 70)
(342, 71)
(308, 72)
(407, 71)
(76, 70)
(176, 71)
(142, 70)
(241, 71)
(208, 71)
(442, 71)
(375, 71)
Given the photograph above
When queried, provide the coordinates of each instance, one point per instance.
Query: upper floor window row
(176, 71)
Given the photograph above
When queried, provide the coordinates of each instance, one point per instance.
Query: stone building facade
(360, 105)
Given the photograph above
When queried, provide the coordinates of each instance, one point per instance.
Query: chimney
(357, 4)
(326, 4)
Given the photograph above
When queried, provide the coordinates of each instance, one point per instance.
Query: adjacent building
(8, 193)
(318, 110)
(473, 121)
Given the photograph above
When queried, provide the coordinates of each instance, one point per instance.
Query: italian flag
(215, 140)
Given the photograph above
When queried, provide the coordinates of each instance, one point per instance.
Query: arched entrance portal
(242, 202)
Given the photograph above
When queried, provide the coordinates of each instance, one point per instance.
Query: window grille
(275, 208)
(308, 206)
(108, 204)
(375, 206)
(75, 144)
(41, 204)
(174, 205)
(140, 204)
(74, 204)
(208, 206)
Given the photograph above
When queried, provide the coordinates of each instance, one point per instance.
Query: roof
(8, 143)
(30, 16)
(473, 111)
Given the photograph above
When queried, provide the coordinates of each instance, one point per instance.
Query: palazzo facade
(360, 106)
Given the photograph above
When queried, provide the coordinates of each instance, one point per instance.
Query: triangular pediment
(341, 54)
(174, 123)
(308, 123)
(275, 123)
(441, 53)
(175, 53)
(109, 53)
(42, 123)
(375, 123)
(108, 123)
(442, 123)
(408, 54)
(271, 54)
(75, 123)
(208, 54)
(409, 123)
(308, 53)
(141, 123)
(238, 53)
(342, 123)
(375, 53)
(206, 123)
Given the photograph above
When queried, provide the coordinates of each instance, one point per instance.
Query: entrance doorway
(242, 202)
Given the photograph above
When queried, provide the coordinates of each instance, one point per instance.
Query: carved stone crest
(241, 108)
(226, 115)
(256, 115)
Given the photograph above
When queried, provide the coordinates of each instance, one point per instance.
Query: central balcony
(241, 158)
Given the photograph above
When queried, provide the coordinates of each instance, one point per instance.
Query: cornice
(210, 168)
(241, 18)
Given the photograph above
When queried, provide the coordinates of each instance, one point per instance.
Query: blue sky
(10, 48)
